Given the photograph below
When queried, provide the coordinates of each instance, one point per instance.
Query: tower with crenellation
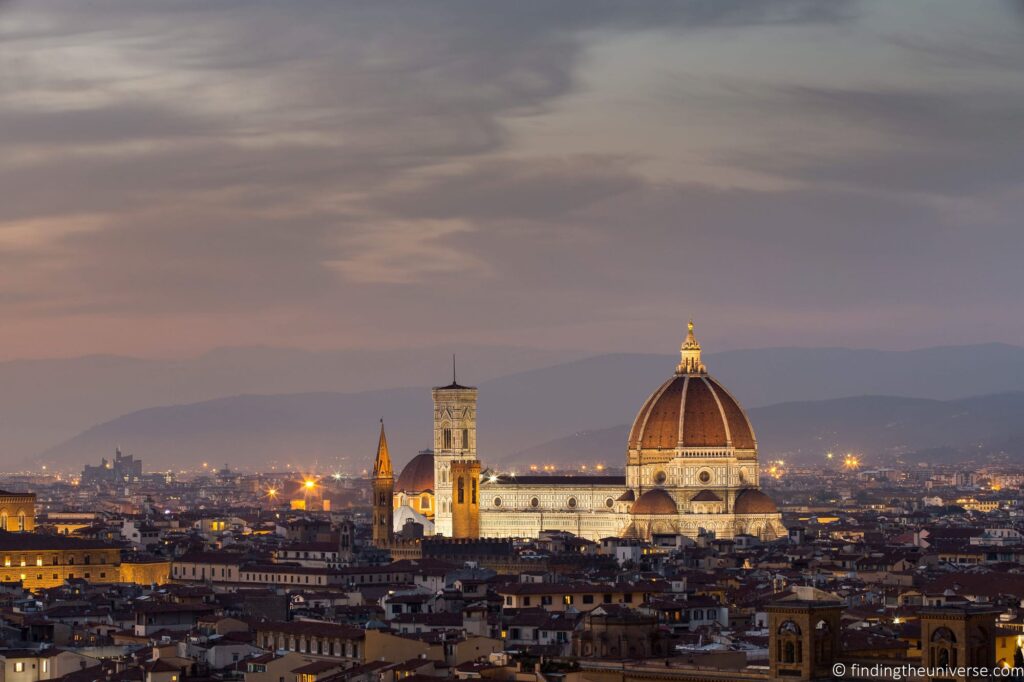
(455, 458)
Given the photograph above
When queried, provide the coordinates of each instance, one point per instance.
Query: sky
(180, 175)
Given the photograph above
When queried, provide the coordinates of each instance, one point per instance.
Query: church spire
(689, 352)
(383, 493)
(382, 465)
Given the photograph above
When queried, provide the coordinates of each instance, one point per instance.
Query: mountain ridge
(543, 400)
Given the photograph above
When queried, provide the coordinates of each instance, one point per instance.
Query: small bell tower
(383, 493)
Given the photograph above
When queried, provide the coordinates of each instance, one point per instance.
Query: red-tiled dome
(691, 410)
(706, 496)
(753, 501)
(418, 474)
(655, 501)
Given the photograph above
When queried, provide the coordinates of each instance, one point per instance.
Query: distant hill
(45, 402)
(875, 426)
(518, 411)
(338, 430)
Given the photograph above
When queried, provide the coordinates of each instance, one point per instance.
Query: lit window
(19, 667)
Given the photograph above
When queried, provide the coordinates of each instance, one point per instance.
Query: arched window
(465, 439)
(447, 439)
(21, 520)
(942, 648)
(823, 640)
(789, 648)
(462, 490)
(3, 520)
(472, 496)
(789, 628)
(979, 646)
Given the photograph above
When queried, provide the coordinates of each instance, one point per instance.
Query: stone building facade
(17, 511)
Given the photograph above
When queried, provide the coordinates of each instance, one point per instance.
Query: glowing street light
(851, 462)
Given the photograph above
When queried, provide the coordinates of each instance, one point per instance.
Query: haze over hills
(522, 411)
(44, 402)
(875, 426)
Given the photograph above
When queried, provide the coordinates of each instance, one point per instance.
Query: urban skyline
(511, 341)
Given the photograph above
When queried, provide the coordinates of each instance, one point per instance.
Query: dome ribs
(662, 428)
(739, 426)
(704, 425)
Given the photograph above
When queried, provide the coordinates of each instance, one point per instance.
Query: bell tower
(957, 642)
(454, 446)
(803, 639)
(383, 492)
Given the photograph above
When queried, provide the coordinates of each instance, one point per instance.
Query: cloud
(399, 252)
(401, 164)
(923, 141)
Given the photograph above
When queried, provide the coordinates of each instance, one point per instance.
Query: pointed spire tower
(383, 493)
(382, 465)
(689, 354)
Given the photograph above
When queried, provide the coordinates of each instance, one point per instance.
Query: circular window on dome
(660, 477)
(497, 501)
(704, 476)
(572, 503)
(535, 502)
(609, 502)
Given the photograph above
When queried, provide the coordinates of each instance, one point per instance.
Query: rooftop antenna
(453, 369)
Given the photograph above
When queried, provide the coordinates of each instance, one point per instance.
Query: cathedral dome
(753, 501)
(418, 474)
(691, 410)
(655, 501)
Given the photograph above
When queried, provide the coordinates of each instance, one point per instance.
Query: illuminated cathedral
(691, 468)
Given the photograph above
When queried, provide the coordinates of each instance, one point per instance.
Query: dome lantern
(689, 352)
